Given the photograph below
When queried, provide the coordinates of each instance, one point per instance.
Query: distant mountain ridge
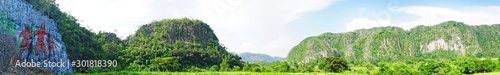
(256, 57)
(442, 41)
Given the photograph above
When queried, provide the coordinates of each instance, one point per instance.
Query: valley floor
(209, 73)
(491, 73)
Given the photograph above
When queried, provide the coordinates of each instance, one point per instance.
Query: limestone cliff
(441, 41)
(21, 14)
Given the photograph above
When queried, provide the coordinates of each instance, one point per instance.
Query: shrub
(384, 69)
(195, 69)
(236, 68)
(135, 67)
(369, 66)
(256, 69)
(335, 64)
(214, 68)
(94, 69)
(485, 65)
(467, 65)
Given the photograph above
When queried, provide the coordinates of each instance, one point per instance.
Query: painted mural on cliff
(37, 38)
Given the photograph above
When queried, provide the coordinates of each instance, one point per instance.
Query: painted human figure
(51, 45)
(40, 42)
(26, 35)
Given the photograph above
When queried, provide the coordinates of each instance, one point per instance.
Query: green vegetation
(6, 26)
(188, 46)
(264, 63)
(335, 64)
(190, 43)
(393, 44)
(208, 73)
(462, 65)
(447, 48)
(81, 43)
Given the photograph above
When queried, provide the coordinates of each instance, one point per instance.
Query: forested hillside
(442, 41)
(23, 19)
(81, 43)
(166, 45)
(189, 46)
(176, 44)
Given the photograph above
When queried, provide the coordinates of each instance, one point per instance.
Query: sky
(274, 27)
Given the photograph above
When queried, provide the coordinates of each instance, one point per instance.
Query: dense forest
(183, 41)
(189, 43)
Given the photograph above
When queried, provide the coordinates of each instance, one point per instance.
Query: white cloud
(363, 9)
(125, 16)
(434, 15)
(258, 26)
(364, 23)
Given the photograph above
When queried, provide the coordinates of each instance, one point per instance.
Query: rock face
(22, 14)
(452, 39)
(178, 29)
(8, 54)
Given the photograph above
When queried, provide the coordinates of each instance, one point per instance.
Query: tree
(403, 69)
(434, 67)
(236, 68)
(233, 60)
(302, 67)
(166, 64)
(246, 67)
(283, 67)
(485, 65)
(256, 69)
(385, 69)
(468, 66)
(224, 65)
(294, 67)
(335, 64)
(278, 66)
(427, 67)
(369, 66)
(214, 68)
(264, 63)
(135, 67)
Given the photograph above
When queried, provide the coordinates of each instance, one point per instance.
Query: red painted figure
(40, 42)
(26, 35)
(51, 45)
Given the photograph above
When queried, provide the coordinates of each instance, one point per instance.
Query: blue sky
(336, 16)
(273, 27)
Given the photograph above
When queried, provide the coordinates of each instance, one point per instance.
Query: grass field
(357, 70)
(208, 73)
(491, 73)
